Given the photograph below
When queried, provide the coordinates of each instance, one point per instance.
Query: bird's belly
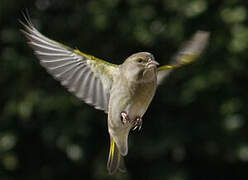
(141, 100)
(134, 102)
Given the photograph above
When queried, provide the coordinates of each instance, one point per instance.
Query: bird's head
(140, 66)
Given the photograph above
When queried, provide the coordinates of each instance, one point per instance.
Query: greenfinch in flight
(122, 91)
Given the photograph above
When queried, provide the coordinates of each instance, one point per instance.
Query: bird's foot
(137, 123)
(124, 118)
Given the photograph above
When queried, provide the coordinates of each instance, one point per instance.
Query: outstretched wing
(88, 77)
(189, 52)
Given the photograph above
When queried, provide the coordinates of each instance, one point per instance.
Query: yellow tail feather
(115, 160)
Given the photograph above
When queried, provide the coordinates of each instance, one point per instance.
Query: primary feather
(88, 77)
(188, 53)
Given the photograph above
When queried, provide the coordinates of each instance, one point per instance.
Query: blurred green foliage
(196, 127)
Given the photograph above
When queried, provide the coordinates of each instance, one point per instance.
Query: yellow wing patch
(183, 60)
(93, 58)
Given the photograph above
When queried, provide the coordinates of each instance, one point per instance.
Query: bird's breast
(131, 97)
(140, 99)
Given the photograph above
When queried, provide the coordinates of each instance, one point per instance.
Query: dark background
(196, 127)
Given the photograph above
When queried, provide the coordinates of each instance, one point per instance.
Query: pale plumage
(123, 91)
(89, 78)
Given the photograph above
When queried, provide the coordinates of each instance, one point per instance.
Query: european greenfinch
(122, 91)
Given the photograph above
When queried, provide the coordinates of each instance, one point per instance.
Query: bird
(122, 91)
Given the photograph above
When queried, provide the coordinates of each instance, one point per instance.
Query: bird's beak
(152, 64)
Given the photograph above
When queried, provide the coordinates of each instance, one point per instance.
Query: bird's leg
(137, 123)
(124, 117)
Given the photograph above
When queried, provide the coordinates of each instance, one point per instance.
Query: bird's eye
(139, 60)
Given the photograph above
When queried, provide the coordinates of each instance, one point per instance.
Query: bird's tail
(115, 159)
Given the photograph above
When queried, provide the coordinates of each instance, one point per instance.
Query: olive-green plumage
(123, 91)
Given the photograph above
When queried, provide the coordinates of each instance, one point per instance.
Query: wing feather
(80, 91)
(188, 53)
(98, 96)
(90, 93)
(88, 77)
(74, 84)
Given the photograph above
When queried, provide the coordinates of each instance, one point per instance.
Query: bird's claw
(137, 123)
(124, 118)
